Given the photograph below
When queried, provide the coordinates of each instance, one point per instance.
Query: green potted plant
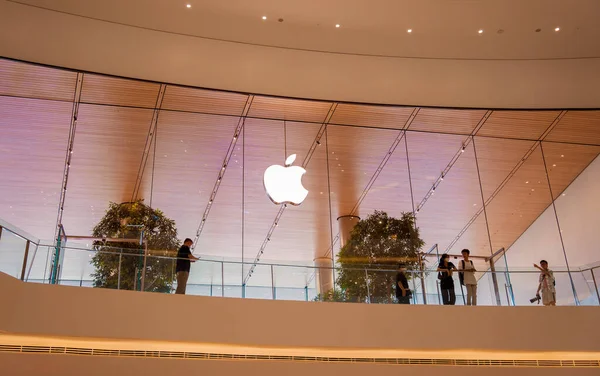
(128, 220)
(368, 261)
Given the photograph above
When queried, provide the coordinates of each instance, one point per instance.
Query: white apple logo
(284, 184)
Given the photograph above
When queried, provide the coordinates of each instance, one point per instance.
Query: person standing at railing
(403, 293)
(546, 285)
(184, 257)
(445, 270)
(466, 273)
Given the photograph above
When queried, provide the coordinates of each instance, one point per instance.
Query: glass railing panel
(260, 284)
(233, 277)
(77, 265)
(12, 251)
(205, 278)
(122, 269)
(485, 289)
(294, 283)
(584, 285)
(38, 264)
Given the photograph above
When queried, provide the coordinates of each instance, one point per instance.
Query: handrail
(416, 271)
(18, 232)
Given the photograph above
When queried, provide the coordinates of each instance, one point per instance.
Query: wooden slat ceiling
(33, 144)
(192, 141)
(497, 157)
(354, 156)
(108, 148)
(34, 81)
(204, 101)
(118, 91)
(371, 116)
(391, 191)
(582, 127)
(474, 239)
(446, 120)
(565, 162)
(519, 203)
(189, 152)
(456, 200)
(289, 109)
(429, 154)
(529, 125)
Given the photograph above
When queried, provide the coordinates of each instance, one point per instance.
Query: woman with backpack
(466, 275)
(445, 270)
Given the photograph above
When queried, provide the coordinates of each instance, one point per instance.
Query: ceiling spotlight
(189, 6)
(264, 17)
(409, 31)
(554, 165)
(337, 25)
(557, 29)
(480, 31)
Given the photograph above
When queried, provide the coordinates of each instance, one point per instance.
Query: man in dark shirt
(184, 255)
(403, 293)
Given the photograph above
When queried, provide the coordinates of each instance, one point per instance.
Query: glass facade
(486, 180)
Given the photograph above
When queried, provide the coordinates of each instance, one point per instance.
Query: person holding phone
(403, 293)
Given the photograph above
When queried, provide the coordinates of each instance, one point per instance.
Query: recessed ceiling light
(557, 29)
(264, 17)
(337, 25)
(480, 31)
(409, 31)
(189, 5)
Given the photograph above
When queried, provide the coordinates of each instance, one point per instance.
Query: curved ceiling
(441, 29)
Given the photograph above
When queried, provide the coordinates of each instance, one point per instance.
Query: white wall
(52, 311)
(67, 365)
(60, 39)
(578, 212)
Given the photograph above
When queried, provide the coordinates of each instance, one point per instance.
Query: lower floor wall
(20, 364)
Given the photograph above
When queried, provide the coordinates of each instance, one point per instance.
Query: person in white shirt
(467, 277)
(546, 285)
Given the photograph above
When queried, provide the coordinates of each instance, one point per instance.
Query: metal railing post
(422, 268)
(222, 279)
(273, 283)
(495, 282)
(507, 295)
(25, 257)
(143, 277)
(119, 271)
(415, 301)
(595, 285)
(368, 289)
